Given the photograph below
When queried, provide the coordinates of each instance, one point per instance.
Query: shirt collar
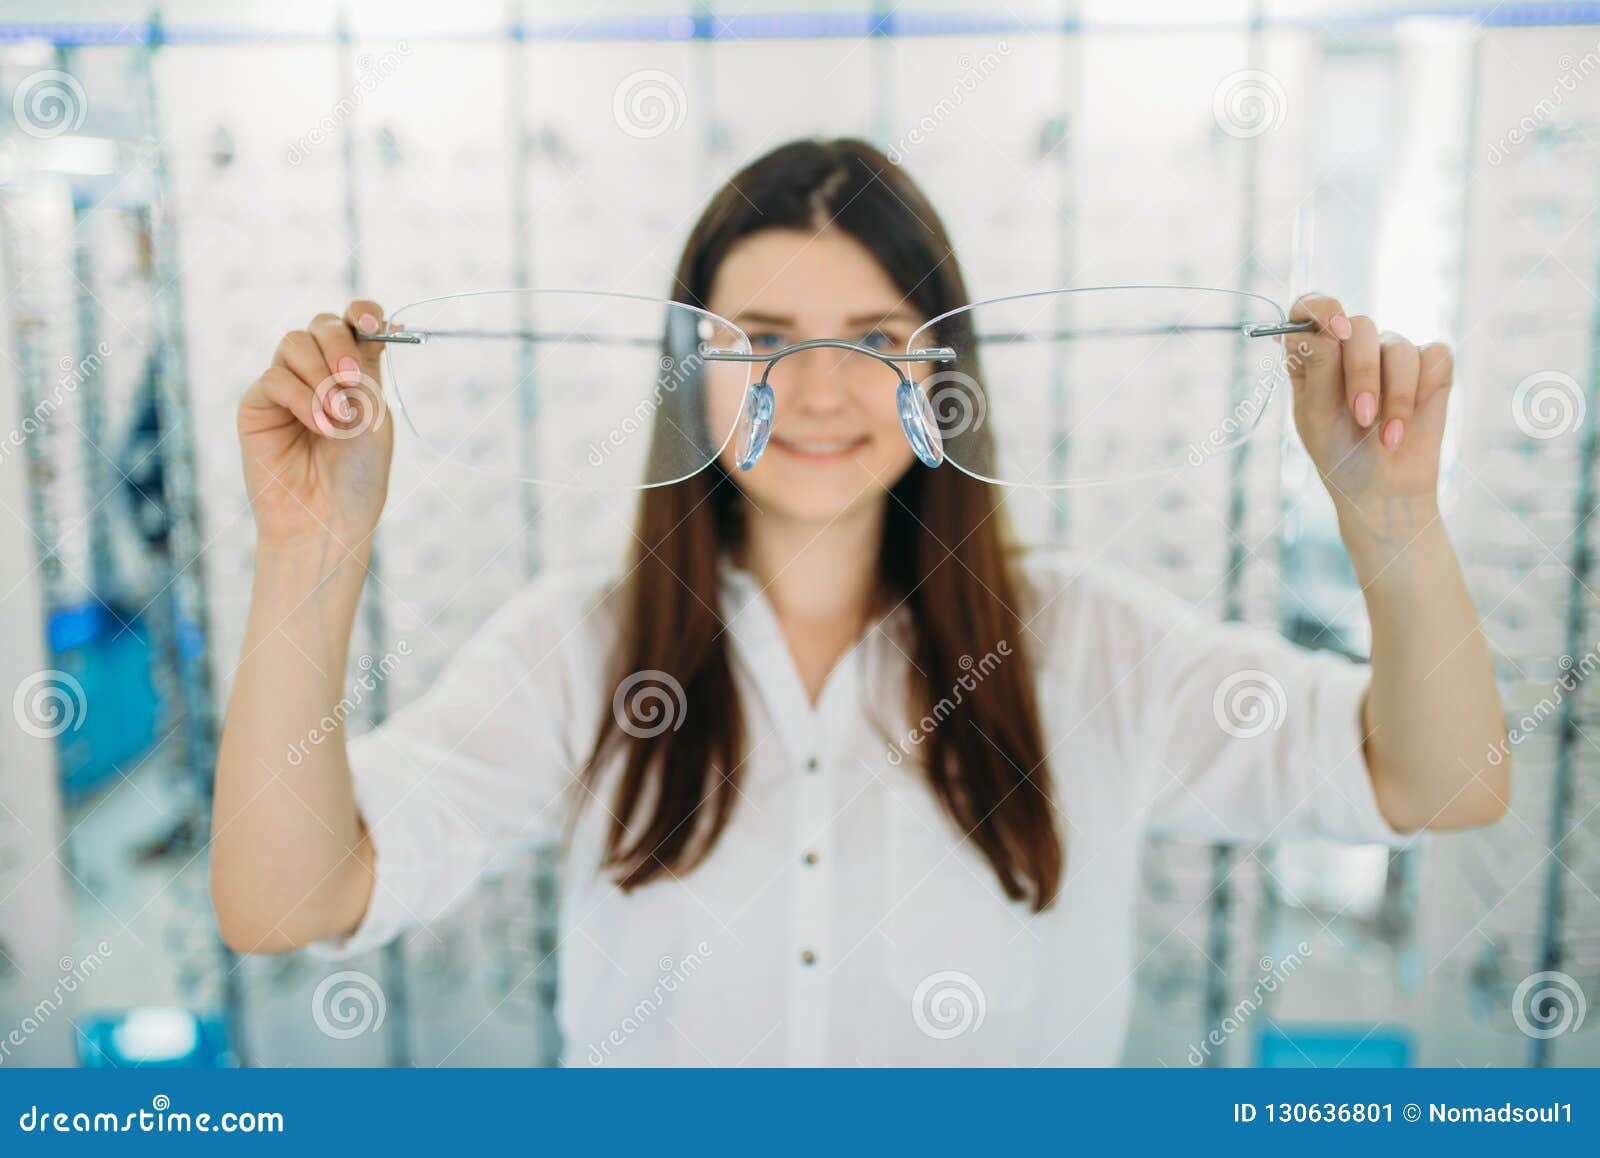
(741, 591)
(866, 670)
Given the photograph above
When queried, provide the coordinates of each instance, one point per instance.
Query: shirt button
(811, 763)
(811, 858)
(807, 957)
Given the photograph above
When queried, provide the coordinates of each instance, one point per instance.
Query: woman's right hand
(316, 434)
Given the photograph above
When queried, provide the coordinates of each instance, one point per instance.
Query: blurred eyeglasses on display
(608, 391)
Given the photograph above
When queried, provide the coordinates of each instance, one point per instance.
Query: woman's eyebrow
(898, 314)
(763, 318)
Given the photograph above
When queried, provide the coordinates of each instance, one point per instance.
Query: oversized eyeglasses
(1051, 389)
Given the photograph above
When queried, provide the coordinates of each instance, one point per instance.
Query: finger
(1314, 356)
(339, 347)
(1400, 364)
(1363, 368)
(1435, 371)
(285, 389)
(1325, 311)
(366, 317)
(346, 366)
(300, 353)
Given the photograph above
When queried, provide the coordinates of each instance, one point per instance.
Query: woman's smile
(820, 450)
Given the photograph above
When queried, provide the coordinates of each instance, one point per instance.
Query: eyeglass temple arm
(418, 337)
(1248, 329)
(1273, 329)
(933, 354)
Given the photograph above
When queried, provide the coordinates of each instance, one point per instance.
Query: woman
(892, 813)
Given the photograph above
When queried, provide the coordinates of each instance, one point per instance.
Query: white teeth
(821, 447)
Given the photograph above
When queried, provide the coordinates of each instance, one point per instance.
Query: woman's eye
(766, 341)
(878, 340)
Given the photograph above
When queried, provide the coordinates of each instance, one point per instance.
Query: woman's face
(836, 438)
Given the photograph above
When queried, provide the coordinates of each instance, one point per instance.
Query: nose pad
(920, 424)
(755, 425)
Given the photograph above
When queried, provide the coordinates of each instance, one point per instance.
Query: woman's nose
(813, 380)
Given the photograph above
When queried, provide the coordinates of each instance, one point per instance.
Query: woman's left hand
(1370, 408)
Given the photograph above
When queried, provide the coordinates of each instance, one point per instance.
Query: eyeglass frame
(917, 420)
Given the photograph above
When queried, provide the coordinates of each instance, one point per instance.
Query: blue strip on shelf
(741, 26)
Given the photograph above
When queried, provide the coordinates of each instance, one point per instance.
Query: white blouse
(841, 919)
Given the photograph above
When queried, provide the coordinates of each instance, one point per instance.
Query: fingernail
(1340, 326)
(1366, 408)
(367, 323)
(349, 368)
(1393, 431)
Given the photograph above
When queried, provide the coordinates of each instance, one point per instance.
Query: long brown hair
(944, 554)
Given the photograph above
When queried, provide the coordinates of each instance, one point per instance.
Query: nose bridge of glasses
(830, 361)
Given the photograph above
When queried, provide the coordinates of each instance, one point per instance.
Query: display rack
(1222, 544)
